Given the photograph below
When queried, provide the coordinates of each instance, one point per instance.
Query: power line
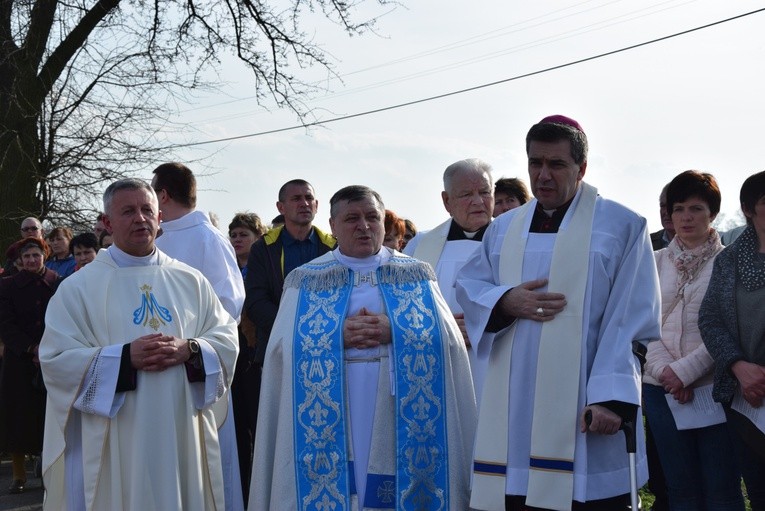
(475, 39)
(468, 89)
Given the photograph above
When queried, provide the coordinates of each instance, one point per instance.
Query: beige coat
(681, 346)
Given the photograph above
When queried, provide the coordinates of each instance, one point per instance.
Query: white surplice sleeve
(632, 313)
(478, 287)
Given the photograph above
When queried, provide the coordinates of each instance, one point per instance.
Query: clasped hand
(366, 330)
(157, 352)
(751, 379)
(674, 385)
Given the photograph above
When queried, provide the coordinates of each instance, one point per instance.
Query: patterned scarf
(689, 261)
(751, 271)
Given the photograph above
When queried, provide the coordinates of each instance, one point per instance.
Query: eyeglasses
(33, 228)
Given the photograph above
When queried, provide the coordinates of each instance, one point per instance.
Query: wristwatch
(193, 349)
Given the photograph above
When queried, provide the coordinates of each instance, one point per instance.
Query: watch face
(193, 346)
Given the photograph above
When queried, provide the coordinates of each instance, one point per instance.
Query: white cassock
(370, 383)
(155, 447)
(447, 257)
(622, 304)
(194, 240)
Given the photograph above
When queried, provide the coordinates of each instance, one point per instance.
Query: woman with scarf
(732, 325)
(696, 453)
(23, 301)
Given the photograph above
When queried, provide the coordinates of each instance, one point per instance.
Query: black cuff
(627, 411)
(127, 378)
(195, 369)
(498, 321)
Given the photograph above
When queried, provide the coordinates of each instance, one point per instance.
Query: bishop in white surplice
(619, 304)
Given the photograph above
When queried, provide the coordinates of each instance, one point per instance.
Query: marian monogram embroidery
(151, 312)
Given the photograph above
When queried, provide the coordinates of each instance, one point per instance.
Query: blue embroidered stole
(321, 452)
(323, 473)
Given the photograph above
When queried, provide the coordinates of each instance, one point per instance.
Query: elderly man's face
(133, 219)
(31, 228)
(359, 227)
(470, 201)
(553, 173)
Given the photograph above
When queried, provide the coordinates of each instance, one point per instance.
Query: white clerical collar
(470, 235)
(364, 263)
(125, 260)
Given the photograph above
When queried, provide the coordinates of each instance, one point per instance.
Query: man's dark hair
(298, 182)
(178, 181)
(354, 193)
(86, 240)
(555, 132)
(693, 183)
(752, 191)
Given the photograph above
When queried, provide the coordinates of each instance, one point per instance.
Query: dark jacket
(265, 281)
(23, 301)
(657, 240)
(718, 322)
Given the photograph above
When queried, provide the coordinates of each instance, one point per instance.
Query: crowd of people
(486, 363)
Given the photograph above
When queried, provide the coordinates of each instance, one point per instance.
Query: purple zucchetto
(562, 119)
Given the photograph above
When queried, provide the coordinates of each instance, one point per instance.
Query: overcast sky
(690, 102)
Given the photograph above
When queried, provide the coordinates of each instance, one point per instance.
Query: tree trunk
(19, 149)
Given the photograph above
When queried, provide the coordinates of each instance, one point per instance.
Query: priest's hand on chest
(524, 302)
(366, 330)
(157, 352)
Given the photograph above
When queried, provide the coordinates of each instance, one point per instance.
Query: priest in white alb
(367, 401)
(468, 197)
(558, 292)
(188, 236)
(137, 348)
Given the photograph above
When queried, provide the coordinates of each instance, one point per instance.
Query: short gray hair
(125, 184)
(469, 165)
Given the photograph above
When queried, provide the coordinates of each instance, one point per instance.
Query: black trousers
(618, 503)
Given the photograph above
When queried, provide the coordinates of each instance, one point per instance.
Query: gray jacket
(718, 322)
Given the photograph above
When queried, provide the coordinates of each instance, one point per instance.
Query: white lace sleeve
(209, 391)
(97, 395)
